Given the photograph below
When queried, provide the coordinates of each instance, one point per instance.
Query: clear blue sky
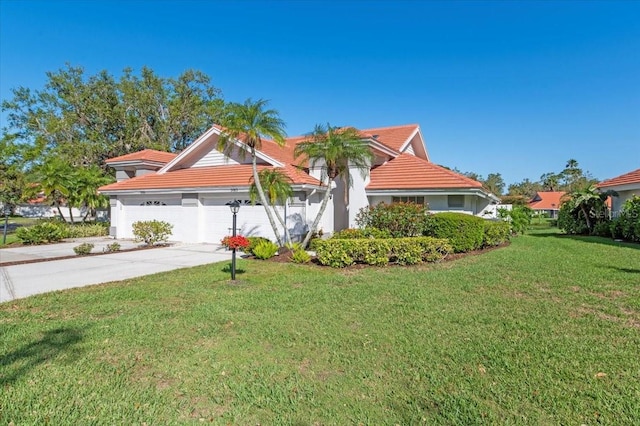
(510, 87)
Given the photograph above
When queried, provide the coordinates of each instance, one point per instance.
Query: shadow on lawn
(586, 239)
(227, 269)
(50, 346)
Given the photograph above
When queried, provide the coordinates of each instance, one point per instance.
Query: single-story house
(547, 202)
(192, 190)
(626, 186)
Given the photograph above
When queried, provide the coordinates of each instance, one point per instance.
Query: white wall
(618, 202)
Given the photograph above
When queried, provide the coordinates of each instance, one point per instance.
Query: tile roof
(625, 179)
(547, 200)
(393, 137)
(409, 172)
(145, 155)
(201, 177)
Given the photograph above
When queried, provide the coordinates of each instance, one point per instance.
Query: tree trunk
(586, 218)
(263, 199)
(57, 205)
(316, 221)
(70, 213)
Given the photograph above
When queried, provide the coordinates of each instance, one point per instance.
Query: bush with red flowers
(237, 242)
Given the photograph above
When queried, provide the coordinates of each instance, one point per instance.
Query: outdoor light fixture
(235, 207)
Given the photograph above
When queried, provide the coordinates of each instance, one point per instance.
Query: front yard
(545, 331)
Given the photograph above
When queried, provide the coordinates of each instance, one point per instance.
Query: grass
(14, 223)
(545, 331)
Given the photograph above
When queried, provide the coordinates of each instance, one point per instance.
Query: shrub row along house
(192, 190)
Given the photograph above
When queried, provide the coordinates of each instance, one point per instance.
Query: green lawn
(545, 331)
(13, 223)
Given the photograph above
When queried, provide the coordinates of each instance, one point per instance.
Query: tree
(494, 183)
(53, 180)
(588, 203)
(84, 190)
(338, 150)
(525, 188)
(276, 184)
(87, 119)
(550, 181)
(249, 123)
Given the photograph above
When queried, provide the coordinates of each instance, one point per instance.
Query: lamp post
(235, 207)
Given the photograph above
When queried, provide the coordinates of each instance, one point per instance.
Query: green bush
(351, 233)
(464, 232)
(300, 256)
(519, 217)
(84, 230)
(627, 224)
(570, 221)
(265, 249)
(113, 247)
(151, 232)
(41, 233)
(495, 233)
(253, 242)
(602, 229)
(339, 253)
(399, 219)
(83, 249)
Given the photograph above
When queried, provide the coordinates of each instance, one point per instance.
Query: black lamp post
(235, 207)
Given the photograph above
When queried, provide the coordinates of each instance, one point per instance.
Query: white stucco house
(192, 190)
(626, 186)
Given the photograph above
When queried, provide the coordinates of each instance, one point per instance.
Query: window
(410, 199)
(456, 201)
(153, 203)
(245, 203)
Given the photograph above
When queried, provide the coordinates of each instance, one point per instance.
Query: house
(193, 190)
(626, 186)
(547, 202)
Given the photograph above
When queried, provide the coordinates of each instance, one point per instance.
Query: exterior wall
(214, 158)
(357, 195)
(439, 203)
(618, 202)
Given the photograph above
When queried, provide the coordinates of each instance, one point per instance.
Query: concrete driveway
(20, 281)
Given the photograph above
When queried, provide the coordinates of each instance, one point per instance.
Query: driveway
(20, 281)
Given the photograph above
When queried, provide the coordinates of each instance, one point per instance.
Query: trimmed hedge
(399, 219)
(355, 233)
(339, 253)
(495, 233)
(41, 233)
(464, 232)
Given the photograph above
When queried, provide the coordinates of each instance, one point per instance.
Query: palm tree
(278, 188)
(337, 149)
(249, 123)
(52, 179)
(85, 190)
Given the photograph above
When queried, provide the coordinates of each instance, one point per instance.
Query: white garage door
(167, 209)
(218, 220)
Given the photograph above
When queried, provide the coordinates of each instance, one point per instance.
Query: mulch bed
(74, 256)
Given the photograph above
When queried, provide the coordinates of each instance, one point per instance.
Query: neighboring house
(547, 202)
(626, 186)
(193, 190)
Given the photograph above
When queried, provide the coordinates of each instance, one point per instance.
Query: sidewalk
(20, 281)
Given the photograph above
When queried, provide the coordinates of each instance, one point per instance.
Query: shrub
(602, 229)
(83, 249)
(237, 242)
(569, 220)
(351, 233)
(265, 250)
(151, 231)
(399, 219)
(519, 218)
(627, 225)
(44, 232)
(495, 233)
(464, 232)
(113, 247)
(300, 256)
(253, 242)
(84, 230)
(339, 253)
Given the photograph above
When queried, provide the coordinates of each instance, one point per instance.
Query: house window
(245, 203)
(456, 201)
(153, 203)
(415, 200)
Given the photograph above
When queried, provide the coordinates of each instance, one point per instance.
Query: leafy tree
(587, 204)
(86, 119)
(494, 183)
(338, 150)
(84, 190)
(550, 181)
(525, 188)
(249, 123)
(53, 180)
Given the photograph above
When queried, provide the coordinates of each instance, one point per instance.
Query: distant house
(626, 185)
(547, 202)
(193, 190)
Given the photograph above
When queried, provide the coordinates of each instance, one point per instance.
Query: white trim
(134, 163)
(422, 146)
(623, 187)
(379, 146)
(417, 192)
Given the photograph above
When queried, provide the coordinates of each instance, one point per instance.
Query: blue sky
(510, 87)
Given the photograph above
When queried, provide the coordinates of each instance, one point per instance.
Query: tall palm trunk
(586, 217)
(323, 207)
(265, 203)
(70, 213)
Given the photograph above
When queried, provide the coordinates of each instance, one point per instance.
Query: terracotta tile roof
(625, 179)
(147, 154)
(201, 177)
(547, 200)
(393, 137)
(409, 172)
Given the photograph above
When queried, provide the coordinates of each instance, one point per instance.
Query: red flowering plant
(237, 242)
